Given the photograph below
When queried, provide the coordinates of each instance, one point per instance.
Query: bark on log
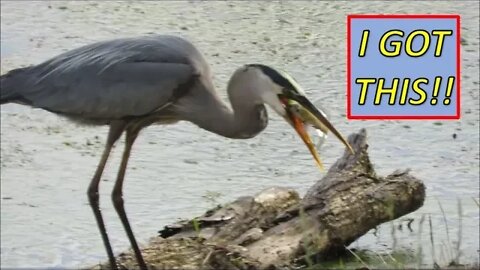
(276, 228)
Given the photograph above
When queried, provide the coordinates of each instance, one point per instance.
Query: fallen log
(277, 229)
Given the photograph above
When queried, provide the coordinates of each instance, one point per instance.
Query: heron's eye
(289, 93)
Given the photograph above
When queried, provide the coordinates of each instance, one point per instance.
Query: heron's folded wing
(123, 89)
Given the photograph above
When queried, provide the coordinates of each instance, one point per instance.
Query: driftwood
(277, 229)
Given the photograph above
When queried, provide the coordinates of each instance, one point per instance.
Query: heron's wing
(114, 79)
(126, 89)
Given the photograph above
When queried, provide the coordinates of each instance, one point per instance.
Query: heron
(130, 83)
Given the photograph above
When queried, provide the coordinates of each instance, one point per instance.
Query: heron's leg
(114, 133)
(117, 194)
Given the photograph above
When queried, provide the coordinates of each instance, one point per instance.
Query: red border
(401, 16)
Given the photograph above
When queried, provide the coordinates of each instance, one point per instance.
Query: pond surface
(47, 162)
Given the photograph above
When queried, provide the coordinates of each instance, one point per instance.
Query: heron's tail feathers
(11, 85)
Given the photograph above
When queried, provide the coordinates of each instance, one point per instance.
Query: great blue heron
(131, 83)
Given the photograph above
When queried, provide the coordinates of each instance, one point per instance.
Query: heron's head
(287, 98)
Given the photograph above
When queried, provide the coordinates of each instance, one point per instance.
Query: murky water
(47, 162)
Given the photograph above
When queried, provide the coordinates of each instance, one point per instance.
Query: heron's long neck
(246, 118)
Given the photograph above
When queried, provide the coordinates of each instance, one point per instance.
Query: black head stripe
(275, 76)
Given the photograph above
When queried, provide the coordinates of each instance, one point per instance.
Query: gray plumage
(128, 78)
(110, 79)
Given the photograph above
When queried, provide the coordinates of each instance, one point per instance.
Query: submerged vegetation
(444, 254)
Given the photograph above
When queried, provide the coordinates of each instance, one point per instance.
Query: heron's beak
(300, 111)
